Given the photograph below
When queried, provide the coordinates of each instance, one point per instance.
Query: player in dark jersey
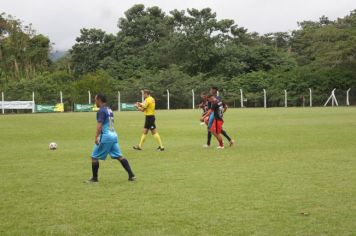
(204, 103)
(214, 91)
(217, 109)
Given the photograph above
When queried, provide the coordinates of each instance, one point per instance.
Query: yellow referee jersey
(149, 105)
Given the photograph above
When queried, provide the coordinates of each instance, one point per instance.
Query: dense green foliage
(292, 173)
(180, 51)
(23, 53)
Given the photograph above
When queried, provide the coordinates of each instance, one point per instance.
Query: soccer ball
(53, 146)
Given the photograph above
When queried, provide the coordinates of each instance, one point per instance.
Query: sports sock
(95, 169)
(221, 143)
(223, 132)
(143, 137)
(124, 162)
(209, 138)
(158, 139)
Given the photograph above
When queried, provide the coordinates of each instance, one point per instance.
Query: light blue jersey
(106, 117)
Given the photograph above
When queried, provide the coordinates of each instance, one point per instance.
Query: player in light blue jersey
(106, 140)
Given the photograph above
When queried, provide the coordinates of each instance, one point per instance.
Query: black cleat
(92, 180)
(137, 148)
(160, 148)
(232, 142)
(132, 178)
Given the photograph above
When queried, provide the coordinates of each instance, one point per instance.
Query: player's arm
(139, 106)
(142, 106)
(207, 114)
(201, 104)
(225, 107)
(99, 127)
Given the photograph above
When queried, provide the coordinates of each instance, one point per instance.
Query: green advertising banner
(59, 107)
(85, 107)
(128, 107)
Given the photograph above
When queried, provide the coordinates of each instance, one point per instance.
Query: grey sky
(61, 20)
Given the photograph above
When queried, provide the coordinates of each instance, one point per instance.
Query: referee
(148, 107)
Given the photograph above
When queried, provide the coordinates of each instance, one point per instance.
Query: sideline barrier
(128, 107)
(23, 105)
(85, 107)
(44, 108)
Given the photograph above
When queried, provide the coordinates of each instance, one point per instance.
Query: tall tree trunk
(27, 71)
(17, 72)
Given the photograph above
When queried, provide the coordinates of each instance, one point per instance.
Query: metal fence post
(265, 98)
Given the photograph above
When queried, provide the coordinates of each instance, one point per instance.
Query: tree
(23, 53)
(92, 46)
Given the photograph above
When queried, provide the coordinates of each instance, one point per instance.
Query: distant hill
(56, 55)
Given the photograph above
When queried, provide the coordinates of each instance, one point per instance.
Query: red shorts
(216, 127)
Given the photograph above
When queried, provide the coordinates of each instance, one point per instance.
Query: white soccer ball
(53, 146)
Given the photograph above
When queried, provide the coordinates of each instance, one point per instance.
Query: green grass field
(293, 172)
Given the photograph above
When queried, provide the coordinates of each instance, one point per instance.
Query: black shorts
(150, 122)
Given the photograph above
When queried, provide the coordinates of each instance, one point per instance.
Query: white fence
(7, 105)
(265, 96)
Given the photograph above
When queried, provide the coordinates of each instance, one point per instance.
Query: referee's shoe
(160, 148)
(137, 148)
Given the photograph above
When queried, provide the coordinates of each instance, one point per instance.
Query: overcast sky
(61, 20)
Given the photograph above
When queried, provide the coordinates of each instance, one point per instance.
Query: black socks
(209, 138)
(123, 161)
(95, 168)
(223, 132)
(126, 166)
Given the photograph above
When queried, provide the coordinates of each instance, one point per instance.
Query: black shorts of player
(150, 122)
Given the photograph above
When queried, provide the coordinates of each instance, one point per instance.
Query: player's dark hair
(210, 95)
(146, 91)
(215, 88)
(101, 97)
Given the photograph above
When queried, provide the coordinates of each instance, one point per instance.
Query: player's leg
(143, 137)
(99, 152)
(95, 170)
(155, 134)
(210, 122)
(142, 140)
(216, 130)
(115, 153)
(126, 165)
(231, 141)
(220, 140)
(208, 140)
(158, 139)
